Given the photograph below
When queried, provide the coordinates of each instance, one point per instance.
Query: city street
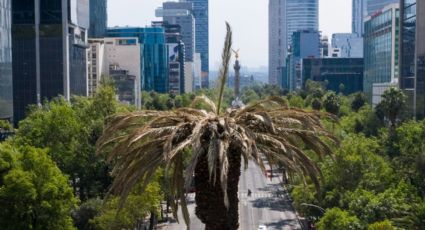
(267, 205)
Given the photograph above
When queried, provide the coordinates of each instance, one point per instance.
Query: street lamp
(315, 206)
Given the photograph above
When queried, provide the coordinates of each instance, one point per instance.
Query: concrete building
(120, 59)
(6, 95)
(304, 43)
(49, 43)
(334, 52)
(97, 64)
(412, 55)
(381, 49)
(350, 45)
(180, 13)
(153, 58)
(200, 11)
(286, 17)
(324, 46)
(189, 72)
(98, 18)
(335, 72)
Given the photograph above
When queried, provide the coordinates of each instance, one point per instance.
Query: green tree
(5, 126)
(337, 219)
(341, 88)
(315, 89)
(34, 194)
(142, 142)
(356, 165)
(316, 104)
(69, 130)
(249, 95)
(383, 225)
(140, 204)
(359, 100)
(393, 103)
(332, 103)
(83, 215)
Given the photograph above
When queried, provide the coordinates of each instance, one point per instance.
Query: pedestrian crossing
(253, 195)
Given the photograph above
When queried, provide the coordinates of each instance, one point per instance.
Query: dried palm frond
(141, 142)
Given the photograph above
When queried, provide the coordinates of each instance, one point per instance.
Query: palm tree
(143, 141)
(393, 103)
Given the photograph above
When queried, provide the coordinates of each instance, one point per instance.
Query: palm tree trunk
(209, 197)
(232, 188)
(210, 207)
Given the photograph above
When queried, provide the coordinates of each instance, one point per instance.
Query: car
(262, 227)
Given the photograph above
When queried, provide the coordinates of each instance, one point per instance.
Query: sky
(248, 18)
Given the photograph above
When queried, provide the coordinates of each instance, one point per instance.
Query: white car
(262, 227)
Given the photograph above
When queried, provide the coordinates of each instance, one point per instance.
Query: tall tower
(286, 17)
(359, 11)
(48, 51)
(200, 11)
(364, 8)
(412, 55)
(98, 18)
(6, 105)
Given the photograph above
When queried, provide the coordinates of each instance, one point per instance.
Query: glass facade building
(304, 44)
(364, 8)
(98, 18)
(375, 6)
(154, 55)
(381, 49)
(181, 13)
(200, 11)
(6, 103)
(286, 17)
(349, 44)
(49, 41)
(335, 71)
(412, 55)
(359, 11)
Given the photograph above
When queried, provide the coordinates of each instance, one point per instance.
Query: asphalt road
(268, 204)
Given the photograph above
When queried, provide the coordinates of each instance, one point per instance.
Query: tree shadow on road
(292, 224)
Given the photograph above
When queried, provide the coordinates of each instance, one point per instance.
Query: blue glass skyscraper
(49, 41)
(98, 18)
(154, 66)
(5, 60)
(200, 11)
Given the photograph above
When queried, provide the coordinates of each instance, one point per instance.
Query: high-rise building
(200, 11)
(336, 72)
(412, 54)
(349, 44)
(176, 60)
(304, 43)
(381, 50)
(359, 11)
(6, 102)
(180, 13)
(154, 58)
(286, 17)
(363, 8)
(375, 6)
(98, 18)
(49, 41)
